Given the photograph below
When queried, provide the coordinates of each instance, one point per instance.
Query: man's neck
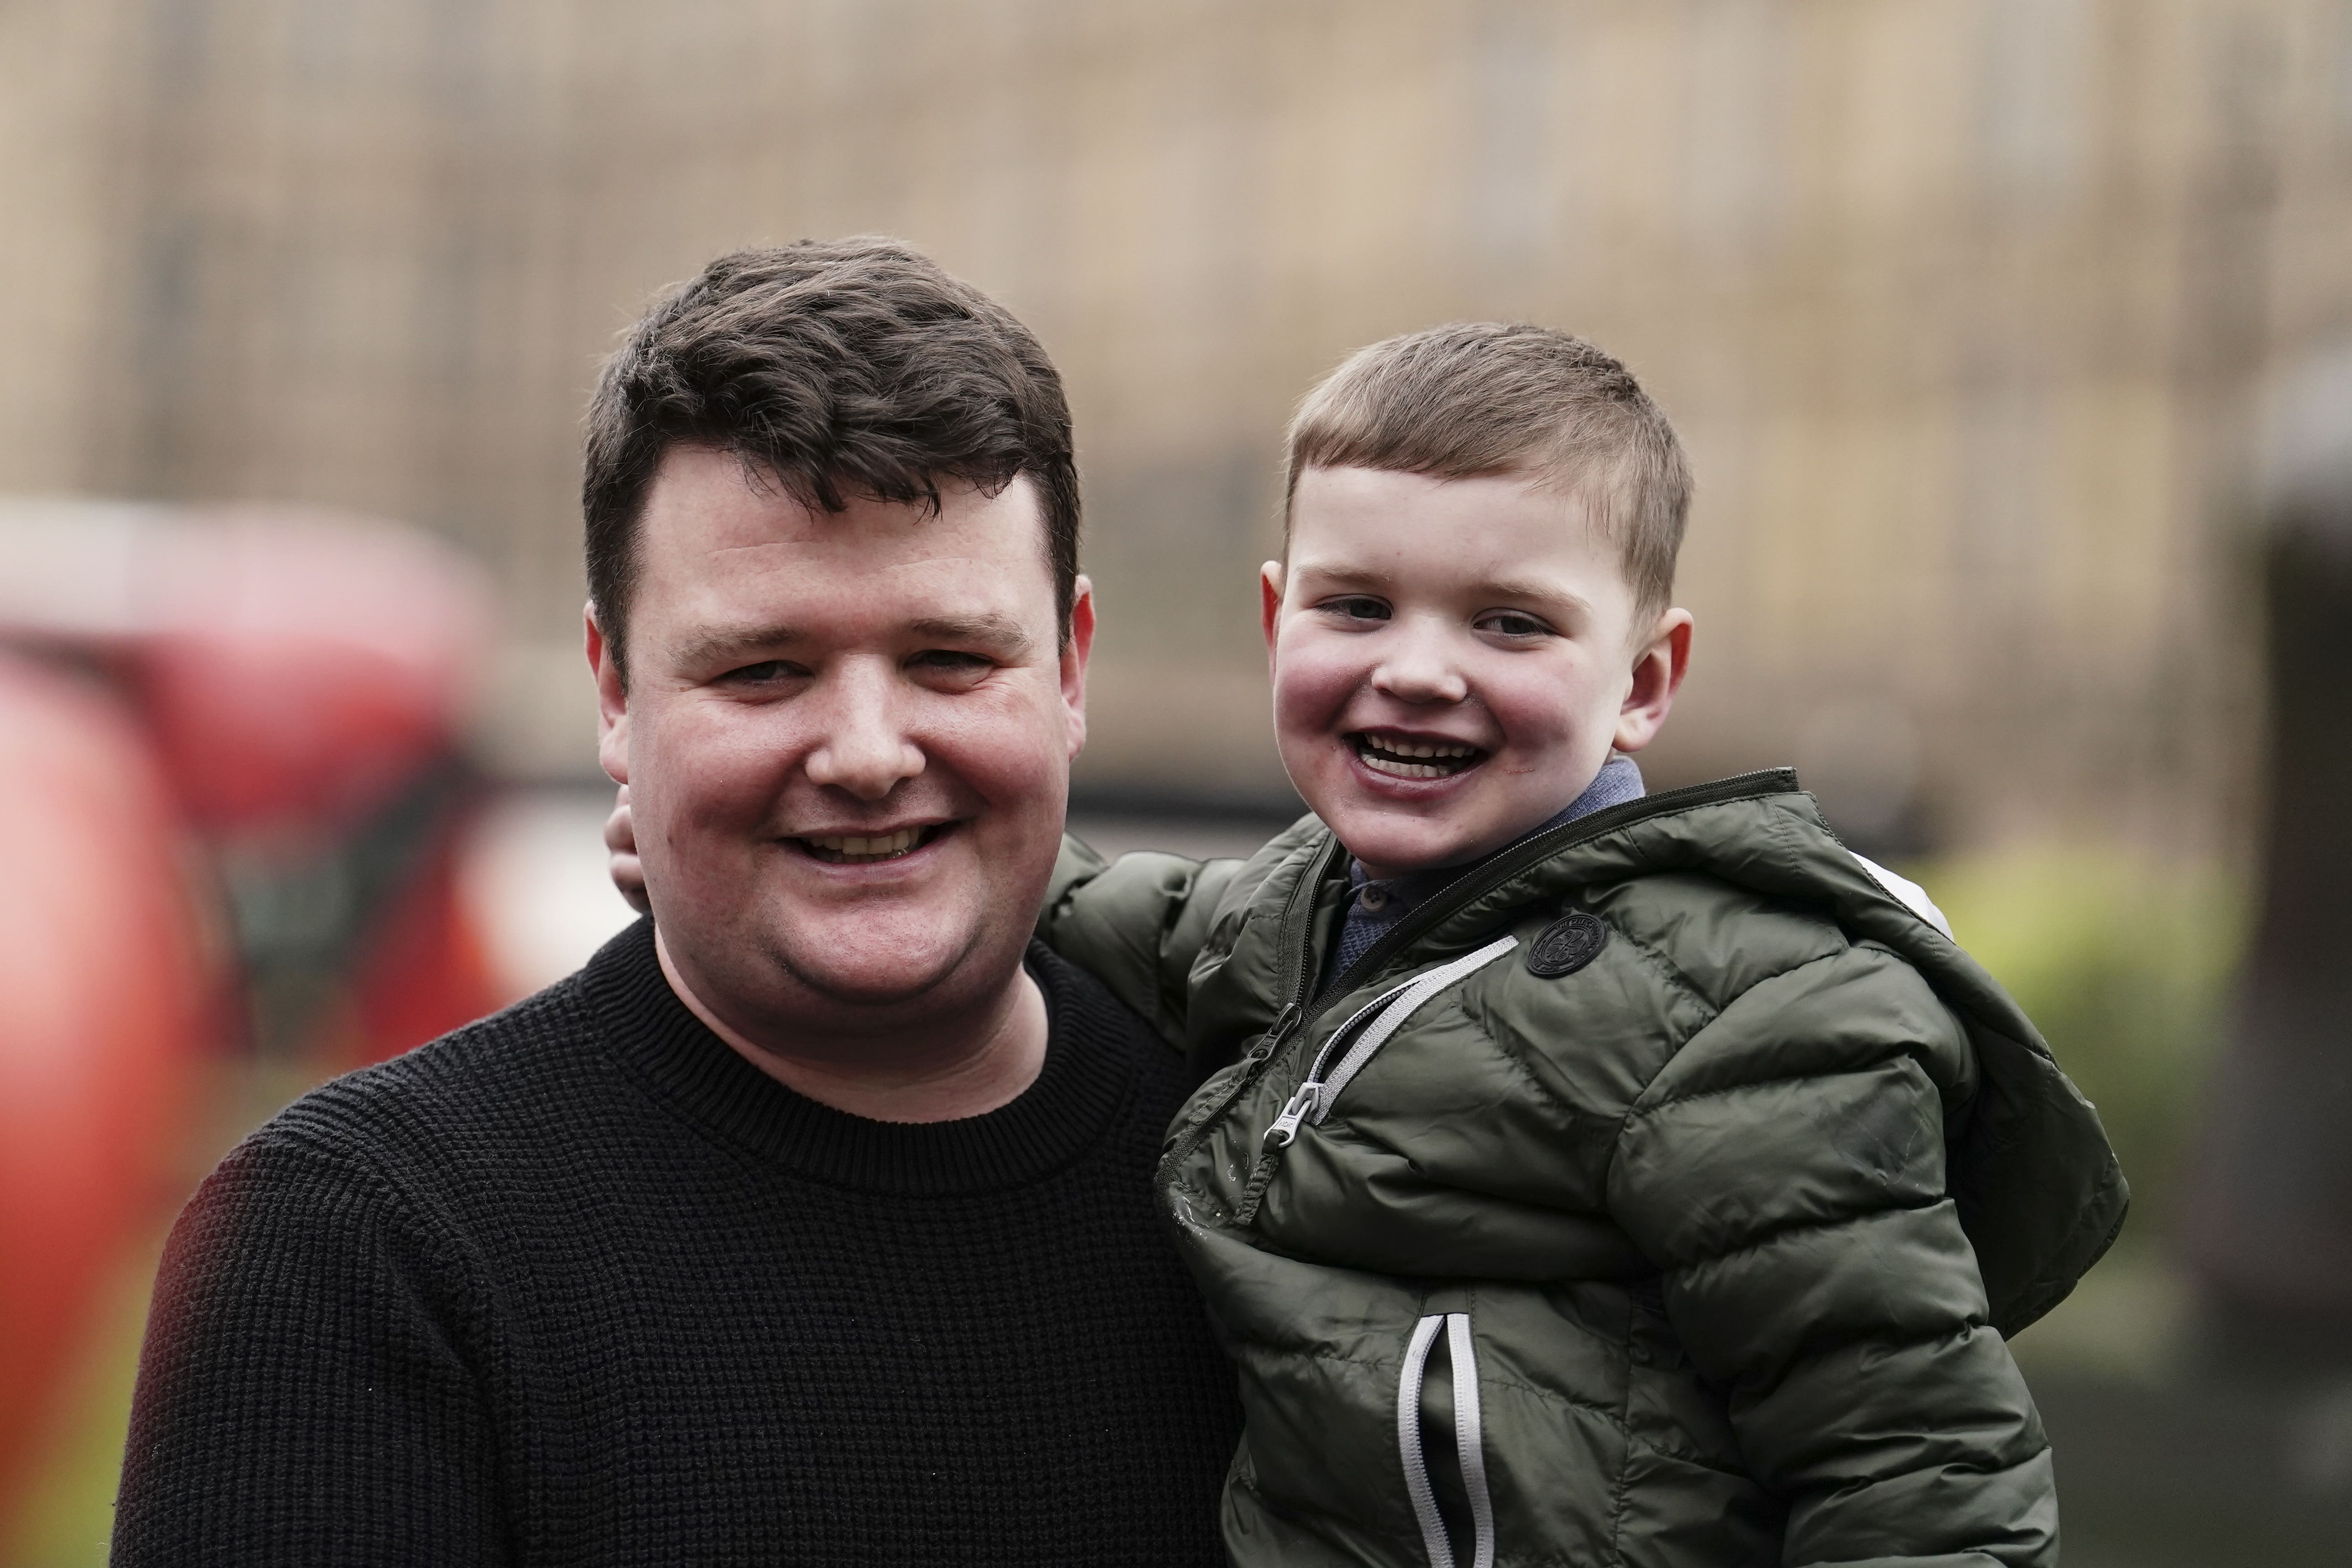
(968, 1068)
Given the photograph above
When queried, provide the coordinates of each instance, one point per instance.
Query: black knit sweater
(579, 1284)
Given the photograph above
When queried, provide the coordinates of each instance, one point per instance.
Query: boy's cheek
(1312, 681)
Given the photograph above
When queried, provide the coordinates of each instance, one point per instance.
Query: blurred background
(2009, 337)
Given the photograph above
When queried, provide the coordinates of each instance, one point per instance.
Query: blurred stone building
(1961, 304)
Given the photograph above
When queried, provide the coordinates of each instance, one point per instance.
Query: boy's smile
(1396, 754)
(1453, 660)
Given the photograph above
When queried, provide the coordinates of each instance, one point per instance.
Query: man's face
(1452, 660)
(846, 738)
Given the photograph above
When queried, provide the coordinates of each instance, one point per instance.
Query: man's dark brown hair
(1477, 398)
(836, 370)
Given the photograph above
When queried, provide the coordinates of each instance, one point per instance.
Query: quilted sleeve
(1785, 1173)
(1135, 923)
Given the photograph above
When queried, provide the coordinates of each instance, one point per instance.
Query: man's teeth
(849, 849)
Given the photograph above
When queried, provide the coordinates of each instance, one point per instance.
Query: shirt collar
(1619, 780)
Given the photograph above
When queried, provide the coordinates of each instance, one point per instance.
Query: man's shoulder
(1082, 1009)
(1088, 1017)
(427, 1116)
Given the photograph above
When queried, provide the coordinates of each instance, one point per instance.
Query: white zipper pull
(1300, 1106)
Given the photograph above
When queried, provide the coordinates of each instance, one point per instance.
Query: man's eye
(1357, 607)
(949, 660)
(1512, 624)
(766, 670)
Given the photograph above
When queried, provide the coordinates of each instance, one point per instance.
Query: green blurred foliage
(66, 1515)
(2126, 963)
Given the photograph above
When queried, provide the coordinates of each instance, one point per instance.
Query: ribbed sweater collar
(674, 1056)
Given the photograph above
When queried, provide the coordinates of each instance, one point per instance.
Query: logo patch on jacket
(1566, 945)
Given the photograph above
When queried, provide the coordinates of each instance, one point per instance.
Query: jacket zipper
(1285, 1023)
(1468, 1440)
(1299, 936)
(1312, 1101)
(1457, 896)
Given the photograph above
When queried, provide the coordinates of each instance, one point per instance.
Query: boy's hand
(621, 839)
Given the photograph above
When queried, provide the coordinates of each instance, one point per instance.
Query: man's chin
(875, 969)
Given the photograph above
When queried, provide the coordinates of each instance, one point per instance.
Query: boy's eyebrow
(1526, 587)
(1521, 589)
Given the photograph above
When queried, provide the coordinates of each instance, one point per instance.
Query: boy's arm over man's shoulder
(302, 1395)
(1139, 923)
(1136, 924)
(1787, 1172)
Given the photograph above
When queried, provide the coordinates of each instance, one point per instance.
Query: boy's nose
(1416, 668)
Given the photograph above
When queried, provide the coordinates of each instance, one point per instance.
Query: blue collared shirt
(1374, 906)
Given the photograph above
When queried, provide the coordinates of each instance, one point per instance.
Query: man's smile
(871, 846)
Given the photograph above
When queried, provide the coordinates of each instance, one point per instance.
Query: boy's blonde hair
(1478, 398)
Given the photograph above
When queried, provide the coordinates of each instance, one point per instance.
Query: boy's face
(1452, 660)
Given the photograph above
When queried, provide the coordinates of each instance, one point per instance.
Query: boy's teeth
(1380, 764)
(1401, 758)
(850, 846)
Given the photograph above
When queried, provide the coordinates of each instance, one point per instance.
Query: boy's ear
(1269, 600)
(611, 702)
(1659, 667)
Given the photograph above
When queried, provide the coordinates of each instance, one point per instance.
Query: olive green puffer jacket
(1659, 1192)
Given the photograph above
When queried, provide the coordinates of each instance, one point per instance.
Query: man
(810, 1222)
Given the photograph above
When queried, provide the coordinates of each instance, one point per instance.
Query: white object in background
(535, 880)
(1909, 891)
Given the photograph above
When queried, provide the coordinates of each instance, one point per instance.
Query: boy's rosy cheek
(1308, 686)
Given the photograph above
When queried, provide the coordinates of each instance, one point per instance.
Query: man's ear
(1659, 667)
(1075, 652)
(1270, 578)
(611, 702)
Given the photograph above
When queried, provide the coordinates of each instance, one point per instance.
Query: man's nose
(1418, 665)
(865, 749)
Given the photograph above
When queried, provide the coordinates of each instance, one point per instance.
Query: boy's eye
(1357, 607)
(1511, 624)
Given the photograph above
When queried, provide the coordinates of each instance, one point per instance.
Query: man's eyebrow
(1342, 576)
(988, 629)
(726, 644)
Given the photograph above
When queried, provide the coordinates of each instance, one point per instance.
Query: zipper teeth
(1285, 1023)
(1417, 1467)
(1365, 1032)
(1314, 1068)
(1400, 1004)
(1470, 1438)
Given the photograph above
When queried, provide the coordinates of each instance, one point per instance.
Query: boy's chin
(1397, 844)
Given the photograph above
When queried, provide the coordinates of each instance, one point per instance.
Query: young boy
(1580, 1176)
(1584, 1177)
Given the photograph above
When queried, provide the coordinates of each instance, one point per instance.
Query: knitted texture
(579, 1284)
